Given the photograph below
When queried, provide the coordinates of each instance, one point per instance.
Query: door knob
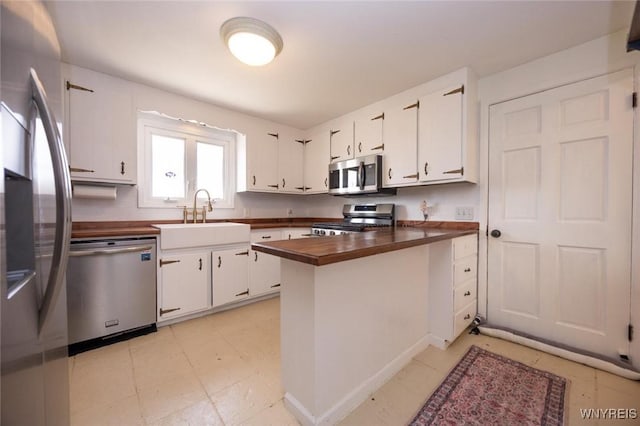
(496, 233)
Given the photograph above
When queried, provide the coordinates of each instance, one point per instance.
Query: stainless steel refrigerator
(35, 211)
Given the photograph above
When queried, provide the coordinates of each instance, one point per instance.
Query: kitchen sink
(184, 235)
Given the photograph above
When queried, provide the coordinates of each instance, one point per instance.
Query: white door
(440, 135)
(230, 275)
(185, 284)
(400, 141)
(560, 194)
(316, 161)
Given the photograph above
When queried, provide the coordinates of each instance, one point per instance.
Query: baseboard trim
(358, 395)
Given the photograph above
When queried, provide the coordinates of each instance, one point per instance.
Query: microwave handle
(360, 180)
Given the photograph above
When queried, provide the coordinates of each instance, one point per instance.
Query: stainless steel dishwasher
(111, 287)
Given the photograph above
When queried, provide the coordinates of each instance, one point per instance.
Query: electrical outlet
(464, 213)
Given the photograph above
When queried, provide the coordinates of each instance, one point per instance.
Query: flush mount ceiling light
(251, 41)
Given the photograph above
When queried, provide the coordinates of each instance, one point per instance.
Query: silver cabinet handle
(134, 249)
(62, 182)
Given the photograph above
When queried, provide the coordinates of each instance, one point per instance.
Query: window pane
(167, 167)
(210, 169)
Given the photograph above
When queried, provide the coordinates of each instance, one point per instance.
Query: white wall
(588, 60)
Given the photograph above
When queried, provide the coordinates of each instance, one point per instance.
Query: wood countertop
(321, 251)
(113, 229)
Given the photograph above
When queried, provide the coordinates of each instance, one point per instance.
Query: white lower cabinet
(453, 278)
(230, 278)
(185, 283)
(264, 269)
(293, 233)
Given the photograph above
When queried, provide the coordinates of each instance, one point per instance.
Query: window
(176, 158)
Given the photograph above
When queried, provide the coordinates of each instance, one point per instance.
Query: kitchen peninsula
(355, 308)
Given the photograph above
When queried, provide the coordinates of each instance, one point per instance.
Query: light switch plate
(464, 213)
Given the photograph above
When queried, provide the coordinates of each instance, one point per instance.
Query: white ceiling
(337, 56)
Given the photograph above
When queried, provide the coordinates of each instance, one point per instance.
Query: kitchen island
(355, 308)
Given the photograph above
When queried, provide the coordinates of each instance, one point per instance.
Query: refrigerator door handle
(62, 183)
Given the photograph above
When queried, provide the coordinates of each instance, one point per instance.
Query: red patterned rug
(489, 389)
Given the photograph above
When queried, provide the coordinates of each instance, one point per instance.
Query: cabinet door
(101, 127)
(290, 163)
(341, 140)
(400, 142)
(184, 284)
(262, 153)
(264, 273)
(440, 136)
(367, 131)
(230, 275)
(264, 269)
(316, 162)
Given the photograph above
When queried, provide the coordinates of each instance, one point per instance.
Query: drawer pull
(467, 269)
(467, 316)
(467, 293)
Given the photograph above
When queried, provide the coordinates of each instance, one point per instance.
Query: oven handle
(360, 180)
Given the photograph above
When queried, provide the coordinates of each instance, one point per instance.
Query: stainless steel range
(357, 218)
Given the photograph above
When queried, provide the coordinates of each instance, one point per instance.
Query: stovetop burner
(358, 217)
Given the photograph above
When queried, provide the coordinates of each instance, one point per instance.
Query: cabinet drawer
(463, 318)
(465, 269)
(465, 246)
(266, 235)
(464, 294)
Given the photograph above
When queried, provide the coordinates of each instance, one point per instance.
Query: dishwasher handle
(95, 252)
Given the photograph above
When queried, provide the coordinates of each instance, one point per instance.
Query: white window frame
(150, 123)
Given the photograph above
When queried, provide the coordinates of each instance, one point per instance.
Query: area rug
(489, 389)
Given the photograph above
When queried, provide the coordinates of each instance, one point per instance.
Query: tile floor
(224, 369)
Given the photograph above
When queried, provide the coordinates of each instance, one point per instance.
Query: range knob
(323, 232)
(332, 232)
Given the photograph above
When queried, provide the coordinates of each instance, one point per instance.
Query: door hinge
(634, 99)
(333, 132)
(416, 105)
(275, 135)
(630, 332)
(454, 91)
(486, 232)
(70, 86)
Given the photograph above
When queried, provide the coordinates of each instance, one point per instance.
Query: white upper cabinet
(262, 160)
(101, 127)
(367, 132)
(341, 136)
(400, 135)
(447, 131)
(290, 163)
(316, 162)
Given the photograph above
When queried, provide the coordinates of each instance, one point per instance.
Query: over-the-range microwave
(358, 176)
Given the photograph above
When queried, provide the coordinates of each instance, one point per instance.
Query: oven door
(362, 175)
